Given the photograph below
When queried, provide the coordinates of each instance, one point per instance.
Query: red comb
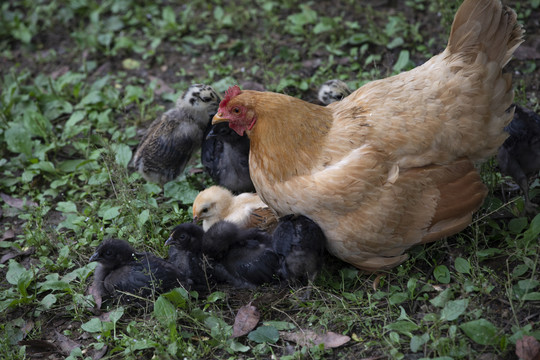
(229, 94)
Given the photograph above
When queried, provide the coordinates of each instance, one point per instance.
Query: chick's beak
(219, 118)
(94, 257)
(195, 219)
(169, 241)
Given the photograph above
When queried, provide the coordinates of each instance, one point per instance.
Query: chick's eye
(205, 210)
(182, 236)
(108, 253)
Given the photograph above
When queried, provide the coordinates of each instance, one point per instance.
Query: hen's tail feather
(485, 26)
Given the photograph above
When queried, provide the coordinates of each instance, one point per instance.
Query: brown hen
(391, 165)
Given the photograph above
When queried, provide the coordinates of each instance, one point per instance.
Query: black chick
(300, 244)
(225, 157)
(173, 138)
(123, 270)
(243, 258)
(185, 252)
(519, 155)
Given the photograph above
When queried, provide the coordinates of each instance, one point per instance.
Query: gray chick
(172, 139)
(332, 91)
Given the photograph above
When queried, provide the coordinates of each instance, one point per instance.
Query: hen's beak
(219, 118)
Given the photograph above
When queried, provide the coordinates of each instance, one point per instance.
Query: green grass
(79, 79)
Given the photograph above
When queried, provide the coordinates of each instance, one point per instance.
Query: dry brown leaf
(98, 354)
(28, 326)
(59, 72)
(311, 338)
(17, 203)
(161, 86)
(14, 254)
(65, 344)
(105, 316)
(246, 320)
(9, 234)
(528, 348)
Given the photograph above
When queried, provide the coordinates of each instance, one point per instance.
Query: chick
(122, 270)
(519, 155)
(243, 258)
(246, 210)
(172, 139)
(332, 91)
(185, 252)
(300, 244)
(225, 157)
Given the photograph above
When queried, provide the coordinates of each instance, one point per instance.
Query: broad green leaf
(533, 296)
(398, 41)
(487, 253)
(418, 341)
(37, 124)
(70, 127)
(442, 274)
(66, 207)
(151, 188)
(218, 13)
(462, 265)
(143, 217)
(280, 325)
(398, 298)
(264, 334)
(169, 15)
(238, 347)
(17, 273)
(116, 314)
(111, 213)
(402, 61)
(181, 191)
(517, 225)
(528, 284)
(404, 327)
(18, 139)
(215, 296)
(164, 311)
(533, 232)
(454, 309)
(93, 97)
(519, 270)
(122, 154)
(178, 297)
(48, 301)
(481, 331)
(441, 299)
(322, 27)
(92, 326)
(58, 285)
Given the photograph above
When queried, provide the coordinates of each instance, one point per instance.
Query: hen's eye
(236, 110)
